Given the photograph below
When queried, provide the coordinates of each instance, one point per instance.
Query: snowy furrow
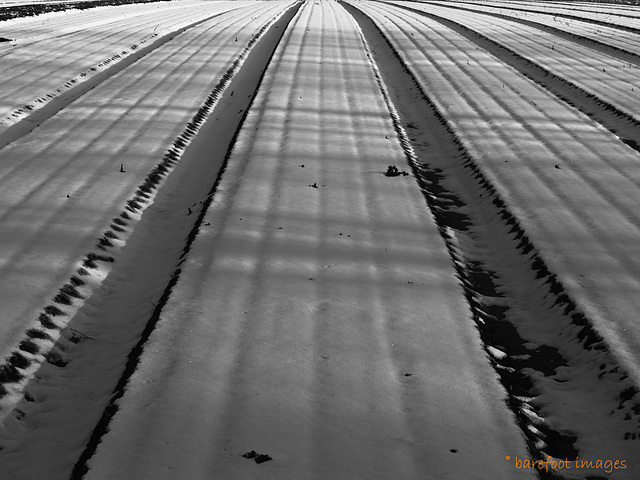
(603, 76)
(603, 37)
(595, 11)
(599, 10)
(45, 436)
(604, 15)
(34, 9)
(623, 8)
(623, 125)
(560, 179)
(604, 10)
(27, 30)
(5, 3)
(317, 318)
(37, 70)
(505, 114)
(61, 185)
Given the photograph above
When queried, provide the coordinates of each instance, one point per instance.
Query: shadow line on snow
(622, 124)
(39, 343)
(31, 115)
(276, 30)
(522, 363)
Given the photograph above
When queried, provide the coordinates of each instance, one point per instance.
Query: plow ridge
(601, 46)
(18, 371)
(527, 365)
(17, 11)
(24, 119)
(133, 358)
(622, 124)
(562, 15)
(39, 344)
(548, 379)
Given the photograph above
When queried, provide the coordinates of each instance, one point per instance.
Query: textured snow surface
(201, 255)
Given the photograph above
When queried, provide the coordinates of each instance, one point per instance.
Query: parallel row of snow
(67, 49)
(62, 184)
(89, 358)
(317, 318)
(571, 184)
(608, 78)
(626, 16)
(11, 3)
(609, 34)
(625, 125)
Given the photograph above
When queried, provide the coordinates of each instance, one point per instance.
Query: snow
(86, 49)
(322, 354)
(565, 13)
(611, 79)
(561, 176)
(594, 165)
(274, 291)
(606, 29)
(139, 113)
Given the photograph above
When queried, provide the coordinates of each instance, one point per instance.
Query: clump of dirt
(392, 171)
(258, 457)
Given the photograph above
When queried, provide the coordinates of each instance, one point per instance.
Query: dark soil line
(600, 111)
(446, 191)
(263, 57)
(16, 11)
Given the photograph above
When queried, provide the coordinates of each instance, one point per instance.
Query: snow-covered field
(203, 254)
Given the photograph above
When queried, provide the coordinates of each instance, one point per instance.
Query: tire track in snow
(517, 303)
(113, 363)
(621, 123)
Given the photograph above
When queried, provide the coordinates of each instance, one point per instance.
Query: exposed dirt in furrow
(16, 11)
(612, 50)
(622, 124)
(545, 351)
(159, 224)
